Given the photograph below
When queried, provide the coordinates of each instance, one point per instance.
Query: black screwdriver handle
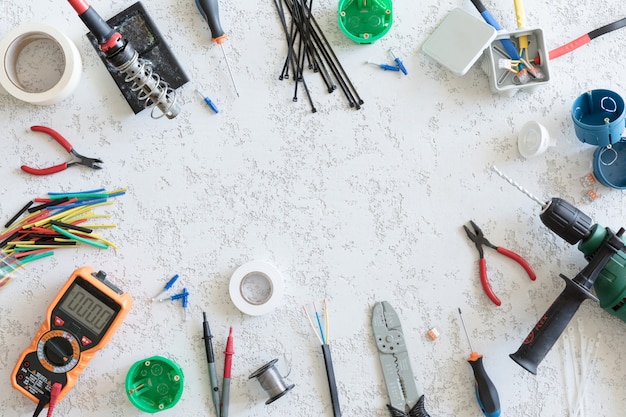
(211, 13)
(486, 392)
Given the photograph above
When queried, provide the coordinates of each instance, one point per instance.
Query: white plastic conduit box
(461, 39)
(458, 41)
(504, 81)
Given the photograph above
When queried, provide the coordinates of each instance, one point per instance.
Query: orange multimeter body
(79, 322)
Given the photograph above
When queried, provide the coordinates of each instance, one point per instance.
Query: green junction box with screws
(365, 21)
(154, 384)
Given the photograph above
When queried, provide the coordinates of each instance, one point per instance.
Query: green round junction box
(365, 21)
(154, 384)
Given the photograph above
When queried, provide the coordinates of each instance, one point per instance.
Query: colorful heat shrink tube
(54, 222)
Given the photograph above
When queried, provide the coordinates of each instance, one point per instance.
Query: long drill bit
(518, 186)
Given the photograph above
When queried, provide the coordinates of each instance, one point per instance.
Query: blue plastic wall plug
(165, 288)
(185, 303)
(399, 63)
(178, 296)
(208, 102)
(385, 66)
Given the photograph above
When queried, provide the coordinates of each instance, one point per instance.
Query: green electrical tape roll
(154, 384)
(365, 21)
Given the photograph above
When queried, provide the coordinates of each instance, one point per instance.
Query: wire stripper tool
(396, 365)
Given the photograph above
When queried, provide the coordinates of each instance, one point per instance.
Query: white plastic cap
(533, 139)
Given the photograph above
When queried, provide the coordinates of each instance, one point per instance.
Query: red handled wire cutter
(78, 158)
(480, 240)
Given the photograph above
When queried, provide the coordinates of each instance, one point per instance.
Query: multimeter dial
(58, 351)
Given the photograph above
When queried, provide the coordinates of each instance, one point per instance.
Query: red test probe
(228, 364)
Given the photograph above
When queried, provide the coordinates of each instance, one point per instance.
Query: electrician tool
(210, 356)
(486, 392)
(209, 9)
(80, 321)
(228, 364)
(134, 74)
(54, 397)
(605, 272)
(78, 158)
(395, 363)
(480, 240)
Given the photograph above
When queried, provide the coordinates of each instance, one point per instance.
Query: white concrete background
(352, 206)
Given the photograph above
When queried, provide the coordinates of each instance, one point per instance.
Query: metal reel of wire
(271, 381)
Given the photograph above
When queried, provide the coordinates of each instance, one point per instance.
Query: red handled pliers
(78, 158)
(479, 240)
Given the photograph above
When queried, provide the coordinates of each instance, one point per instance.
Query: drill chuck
(566, 220)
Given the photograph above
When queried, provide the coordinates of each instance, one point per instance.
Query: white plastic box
(458, 41)
(501, 80)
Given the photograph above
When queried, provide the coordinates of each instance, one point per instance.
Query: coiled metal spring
(150, 88)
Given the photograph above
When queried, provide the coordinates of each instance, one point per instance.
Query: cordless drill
(605, 272)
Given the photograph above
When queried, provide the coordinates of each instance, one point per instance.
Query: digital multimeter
(79, 322)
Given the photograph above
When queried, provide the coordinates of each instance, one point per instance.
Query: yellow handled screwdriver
(209, 10)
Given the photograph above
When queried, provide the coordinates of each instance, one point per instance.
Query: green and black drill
(605, 273)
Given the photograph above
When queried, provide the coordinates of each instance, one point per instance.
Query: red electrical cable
(583, 40)
(54, 395)
(569, 47)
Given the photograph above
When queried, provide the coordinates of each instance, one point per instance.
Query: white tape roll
(12, 45)
(256, 288)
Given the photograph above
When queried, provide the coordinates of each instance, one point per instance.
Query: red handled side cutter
(78, 158)
(479, 240)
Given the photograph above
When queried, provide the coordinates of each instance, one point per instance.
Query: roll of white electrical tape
(256, 288)
(12, 45)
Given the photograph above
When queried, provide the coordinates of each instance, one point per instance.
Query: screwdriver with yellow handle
(209, 9)
(486, 392)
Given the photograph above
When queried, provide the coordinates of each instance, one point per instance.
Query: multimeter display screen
(87, 309)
